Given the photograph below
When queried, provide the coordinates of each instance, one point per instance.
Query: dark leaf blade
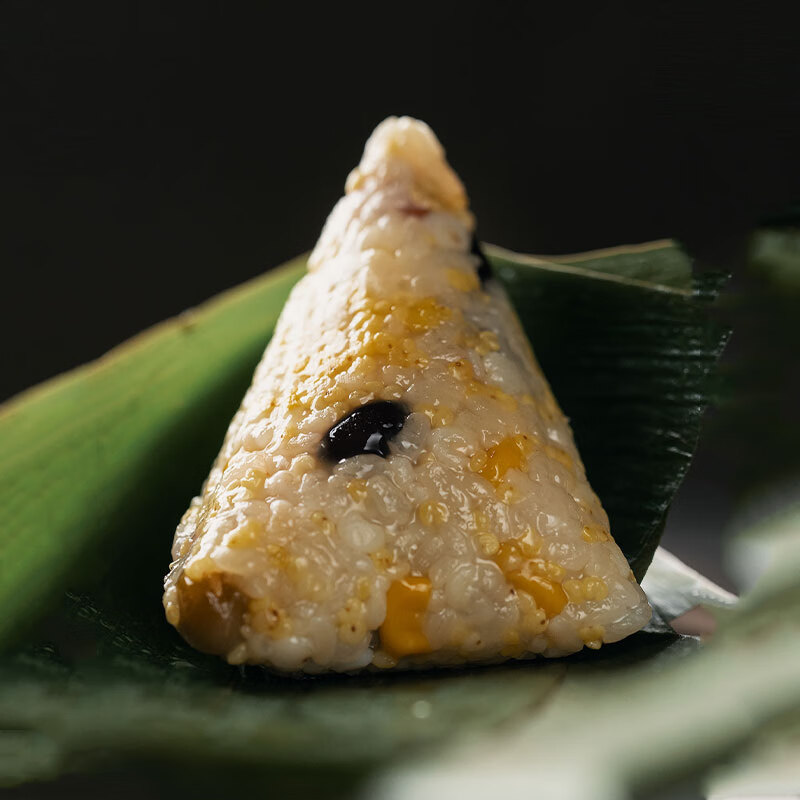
(95, 457)
(629, 362)
(658, 264)
(125, 703)
(108, 690)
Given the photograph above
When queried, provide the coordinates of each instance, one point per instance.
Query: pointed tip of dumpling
(403, 171)
(404, 148)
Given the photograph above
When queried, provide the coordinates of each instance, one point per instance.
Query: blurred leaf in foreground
(606, 735)
(103, 690)
(755, 439)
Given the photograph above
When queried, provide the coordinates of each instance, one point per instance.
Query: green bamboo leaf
(658, 263)
(95, 455)
(103, 461)
(105, 688)
(629, 361)
(768, 767)
(689, 712)
(98, 464)
(775, 253)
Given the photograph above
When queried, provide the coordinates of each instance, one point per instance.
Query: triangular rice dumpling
(399, 486)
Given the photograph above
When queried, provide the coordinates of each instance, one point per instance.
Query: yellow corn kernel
(574, 590)
(431, 513)
(594, 533)
(595, 589)
(351, 628)
(592, 636)
(549, 596)
(533, 622)
(511, 453)
(464, 281)
(488, 543)
(357, 489)
(509, 556)
(402, 631)
(352, 609)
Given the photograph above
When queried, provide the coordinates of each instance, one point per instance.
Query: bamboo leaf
(101, 454)
(102, 450)
(629, 361)
(99, 464)
(104, 686)
(658, 263)
(768, 767)
(689, 712)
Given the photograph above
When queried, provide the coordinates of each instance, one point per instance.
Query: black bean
(367, 429)
(484, 267)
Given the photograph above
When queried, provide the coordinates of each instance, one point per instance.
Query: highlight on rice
(399, 487)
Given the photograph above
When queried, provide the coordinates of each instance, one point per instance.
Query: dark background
(153, 154)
